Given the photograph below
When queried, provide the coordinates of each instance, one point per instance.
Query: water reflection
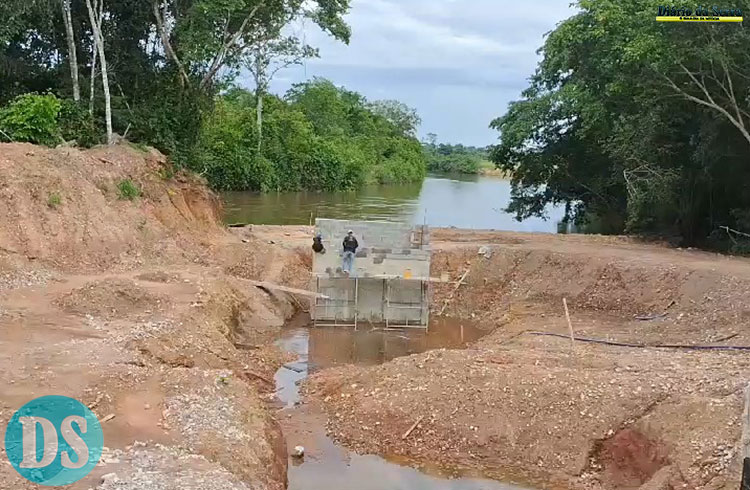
(336, 346)
(466, 201)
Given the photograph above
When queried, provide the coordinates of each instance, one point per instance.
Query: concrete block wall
(396, 251)
(371, 306)
(373, 234)
(385, 249)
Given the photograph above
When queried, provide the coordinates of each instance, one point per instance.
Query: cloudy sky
(458, 62)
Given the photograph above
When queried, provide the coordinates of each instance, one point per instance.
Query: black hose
(646, 346)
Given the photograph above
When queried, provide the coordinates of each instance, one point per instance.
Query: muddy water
(327, 466)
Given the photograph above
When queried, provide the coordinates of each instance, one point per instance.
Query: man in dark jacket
(350, 248)
(317, 245)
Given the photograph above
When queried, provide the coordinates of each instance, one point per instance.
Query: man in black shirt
(350, 248)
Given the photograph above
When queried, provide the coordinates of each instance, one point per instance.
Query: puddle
(327, 466)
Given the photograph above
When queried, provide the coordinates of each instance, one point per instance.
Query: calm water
(335, 468)
(474, 202)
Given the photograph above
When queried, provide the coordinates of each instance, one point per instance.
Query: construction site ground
(141, 309)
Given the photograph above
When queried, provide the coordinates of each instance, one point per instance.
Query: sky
(458, 62)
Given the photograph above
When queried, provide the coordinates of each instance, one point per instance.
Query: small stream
(327, 466)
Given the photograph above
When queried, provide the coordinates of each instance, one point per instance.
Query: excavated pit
(518, 406)
(328, 466)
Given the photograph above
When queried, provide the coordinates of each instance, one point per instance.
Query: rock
(110, 477)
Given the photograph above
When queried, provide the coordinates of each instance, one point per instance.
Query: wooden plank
(570, 325)
(745, 481)
(279, 287)
(746, 424)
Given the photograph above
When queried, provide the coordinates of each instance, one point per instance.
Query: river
(463, 201)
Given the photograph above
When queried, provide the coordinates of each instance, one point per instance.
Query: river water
(463, 201)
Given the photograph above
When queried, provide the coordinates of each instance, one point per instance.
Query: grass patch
(142, 147)
(167, 172)
(128, 190)
(54, 200)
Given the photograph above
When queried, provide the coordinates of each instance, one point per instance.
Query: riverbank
(141, 310)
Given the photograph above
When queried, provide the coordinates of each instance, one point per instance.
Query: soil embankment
(138, 308)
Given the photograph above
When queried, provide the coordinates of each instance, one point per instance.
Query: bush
(128, 190)
(32, 118)
(76, 124)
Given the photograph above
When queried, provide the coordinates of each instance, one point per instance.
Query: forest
(445, 157)
(163, 73)
(636, 126)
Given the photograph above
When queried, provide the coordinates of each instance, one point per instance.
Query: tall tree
(265, 59)
(72, 54)
(203, 38)
(96, 17)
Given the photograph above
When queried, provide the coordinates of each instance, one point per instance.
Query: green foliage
(455, 158)
(32, 118)
(76, 124)
(319, 137)
(156, 100)
(618, 124)
(128, 190)
(54, 200)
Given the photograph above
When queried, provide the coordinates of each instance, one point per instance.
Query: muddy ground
(139, 309)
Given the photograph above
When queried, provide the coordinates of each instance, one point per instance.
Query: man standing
(350, 248)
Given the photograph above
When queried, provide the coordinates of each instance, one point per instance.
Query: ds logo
(53, 440)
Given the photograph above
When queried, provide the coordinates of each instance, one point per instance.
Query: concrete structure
(389, 283)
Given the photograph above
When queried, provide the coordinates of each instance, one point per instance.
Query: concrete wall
(385, 249)
(372, 306)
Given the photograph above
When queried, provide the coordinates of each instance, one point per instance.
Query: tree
(319, 136)
(635, 123)
(204, 37)
(404, 118)
(265, 59)
(96, 17)
(72, 55)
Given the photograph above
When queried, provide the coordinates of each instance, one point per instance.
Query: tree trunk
(72, 55)
(92, 87)
(96, 25)
(259, 115)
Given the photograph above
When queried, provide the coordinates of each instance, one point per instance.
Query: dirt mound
(112, 298)
(66, 207)
(630, 459)
(677, 300)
